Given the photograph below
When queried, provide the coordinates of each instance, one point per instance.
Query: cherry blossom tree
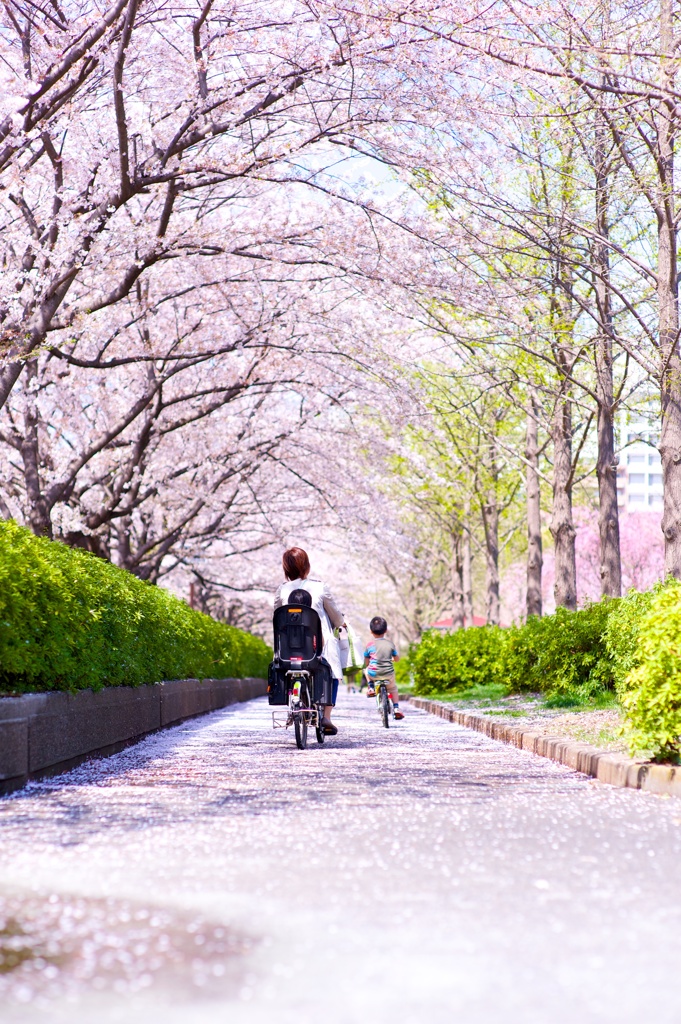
(151, 429)
(129, 134)
(201, 296)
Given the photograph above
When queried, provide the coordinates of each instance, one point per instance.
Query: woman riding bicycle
(296, 566)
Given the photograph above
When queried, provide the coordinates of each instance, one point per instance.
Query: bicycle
(298, 678)
(384, 704)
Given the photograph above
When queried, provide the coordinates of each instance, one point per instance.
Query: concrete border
(613, 769)
(47, 733)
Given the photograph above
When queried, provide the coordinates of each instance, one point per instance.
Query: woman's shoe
(328, 727)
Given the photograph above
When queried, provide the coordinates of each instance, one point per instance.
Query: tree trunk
(121, 531)
(38, 511)
(667, 294)
(95, 544)
(534, 545)
(457, 580)
(606, 467)
(490, 516)
(490, 520)
(562, 526)
(467, 568)
(608, 513)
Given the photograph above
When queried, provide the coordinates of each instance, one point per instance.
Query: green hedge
(457, 661)
(563, 655)
(644, 641)
(631, 646)
(71, 621)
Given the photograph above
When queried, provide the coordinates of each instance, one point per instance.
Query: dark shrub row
(71, 621)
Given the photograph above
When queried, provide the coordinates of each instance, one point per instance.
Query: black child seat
(298, 644)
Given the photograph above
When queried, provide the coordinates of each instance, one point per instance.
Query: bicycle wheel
(319, 732)
(300, 719)
(385, 708)
(300, 729)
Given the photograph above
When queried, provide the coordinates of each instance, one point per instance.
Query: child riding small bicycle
(379, 657)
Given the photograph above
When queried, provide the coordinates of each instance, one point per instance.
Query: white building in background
(639, 474)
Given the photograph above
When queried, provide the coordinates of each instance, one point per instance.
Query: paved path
(214, 873)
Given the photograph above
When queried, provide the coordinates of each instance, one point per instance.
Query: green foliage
(623, 630)
(562, 655)
(651, 691)
(458, 661)
(577, 659)
(403, 673)
(71, 621)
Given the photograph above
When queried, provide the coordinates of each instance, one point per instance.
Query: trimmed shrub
(632, 645)
(457, 661)
(650, 691)
(562, 655)
(69, 621)
(623, 630)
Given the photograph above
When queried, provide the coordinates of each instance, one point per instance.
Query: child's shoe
(371, 692)
(398, 714)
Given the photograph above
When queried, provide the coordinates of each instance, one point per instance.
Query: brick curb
(613, 769)
(43, 734)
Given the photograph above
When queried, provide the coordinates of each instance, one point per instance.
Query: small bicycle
(384, 704)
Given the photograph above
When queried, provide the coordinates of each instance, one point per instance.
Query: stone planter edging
(46, 733)
(613, 769)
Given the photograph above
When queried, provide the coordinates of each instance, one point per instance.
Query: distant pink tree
(642, 546)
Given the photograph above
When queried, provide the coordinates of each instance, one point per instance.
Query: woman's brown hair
(296, 564)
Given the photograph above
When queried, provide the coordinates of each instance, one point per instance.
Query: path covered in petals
(214, 873)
